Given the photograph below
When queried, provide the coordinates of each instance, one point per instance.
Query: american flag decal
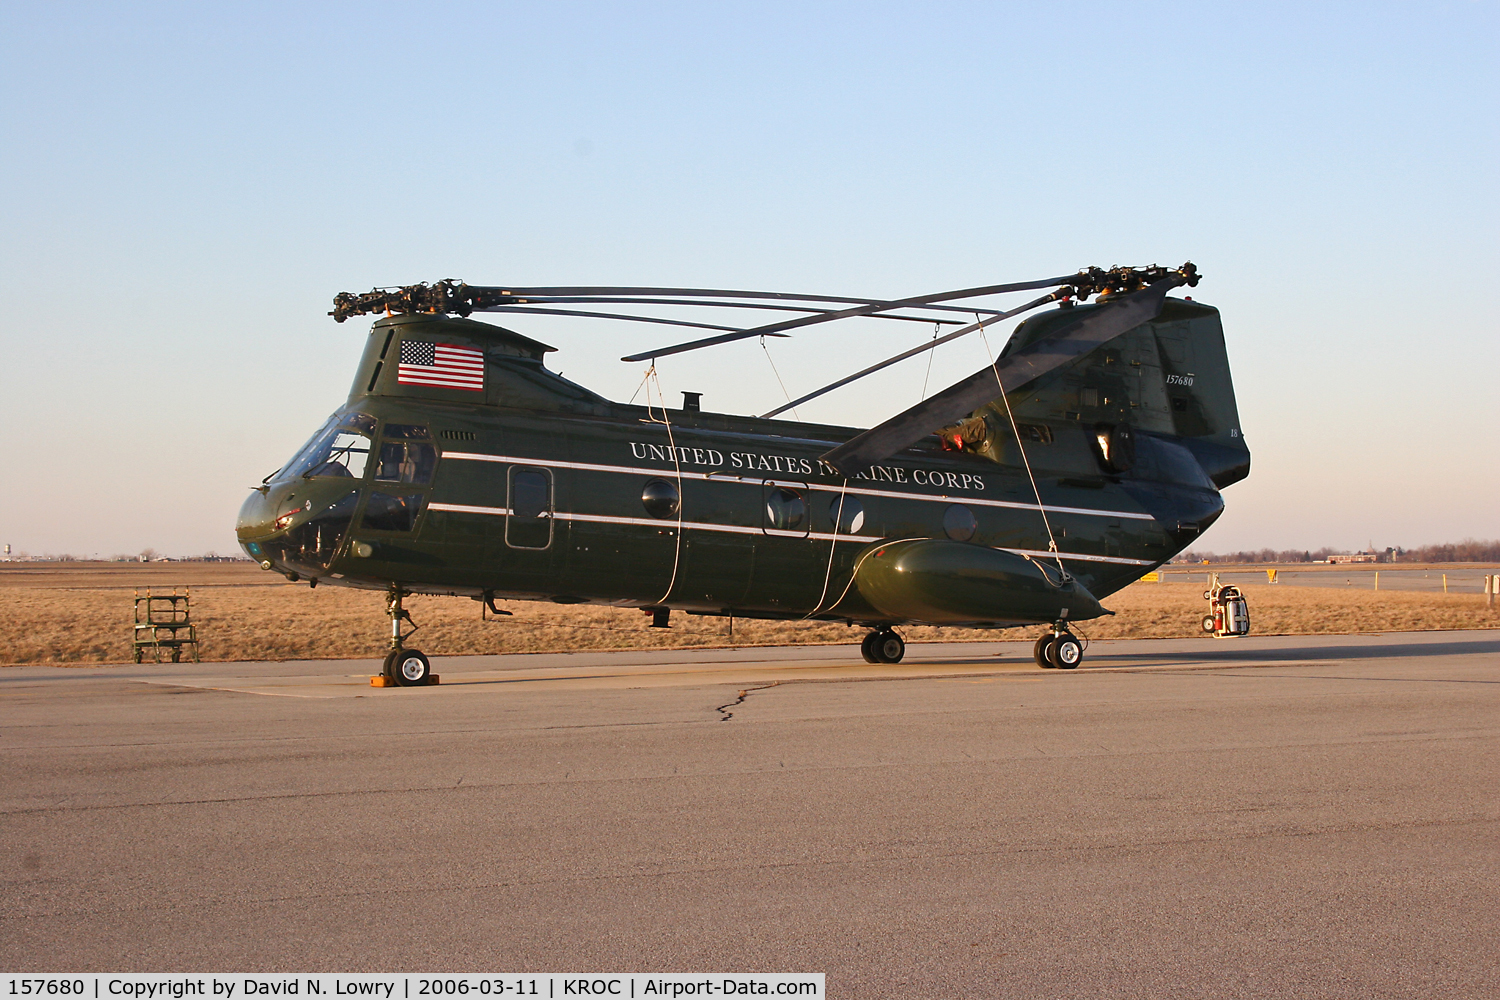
(446, 365)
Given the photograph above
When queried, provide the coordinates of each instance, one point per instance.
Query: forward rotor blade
(931, 344)
(706, 295)
(628, 300)
(862, 310)
(461, 298)
(1063, 345)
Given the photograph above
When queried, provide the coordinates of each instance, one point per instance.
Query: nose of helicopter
(296, 526)
(255, 522)
(262, 515)
(257, 514)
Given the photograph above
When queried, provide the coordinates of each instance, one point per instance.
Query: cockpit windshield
(340, 450)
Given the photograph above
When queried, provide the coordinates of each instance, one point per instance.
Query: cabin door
(718, 545)
(790, 566)
(622, 533)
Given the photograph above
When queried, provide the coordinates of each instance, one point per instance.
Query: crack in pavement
(724, 708)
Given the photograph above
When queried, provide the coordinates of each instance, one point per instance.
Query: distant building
(1355, 557)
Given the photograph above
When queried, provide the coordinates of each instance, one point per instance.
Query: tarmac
(1267, 816)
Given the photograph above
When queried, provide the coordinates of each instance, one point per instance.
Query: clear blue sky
(187, 185)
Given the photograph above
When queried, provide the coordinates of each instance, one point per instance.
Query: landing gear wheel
(1208, 623)
(1065, 652)
(1039, 651)
(410, 668)
(883, 647)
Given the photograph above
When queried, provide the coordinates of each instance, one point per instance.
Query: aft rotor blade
(862, 310)
(537, 311)
(1071, 341)
(937, 342)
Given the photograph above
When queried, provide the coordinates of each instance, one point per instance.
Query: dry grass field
(81, 613)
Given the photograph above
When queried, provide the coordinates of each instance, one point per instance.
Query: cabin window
(847, 514)
(786, 510)
(388, 512)
(529, 494)
(405, 462)
(529, 525)
(959, 522)
(1038, 433)
(660, 498)
(1114, 446)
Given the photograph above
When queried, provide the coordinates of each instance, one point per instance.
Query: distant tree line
(1468, 550)
(145, 555)
(1259, 556)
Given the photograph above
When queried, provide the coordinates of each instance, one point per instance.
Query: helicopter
(1091, 450)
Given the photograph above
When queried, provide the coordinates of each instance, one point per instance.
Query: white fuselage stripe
(460, 508)
(791, 484)
(735, 529)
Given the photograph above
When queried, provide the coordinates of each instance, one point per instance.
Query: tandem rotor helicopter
(1091, 450)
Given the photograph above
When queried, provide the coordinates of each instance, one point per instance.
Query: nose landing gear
(1058, 649)
(404, 667)
(883, 646)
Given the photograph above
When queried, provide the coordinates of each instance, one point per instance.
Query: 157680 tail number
(46, 987)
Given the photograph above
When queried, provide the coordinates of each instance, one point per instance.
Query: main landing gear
(406, 667)
(1058, 649)
(883, 646)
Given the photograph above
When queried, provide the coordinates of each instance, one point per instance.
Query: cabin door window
(785, 511)
(529, 523)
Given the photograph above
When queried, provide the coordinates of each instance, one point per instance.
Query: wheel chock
(381, 681)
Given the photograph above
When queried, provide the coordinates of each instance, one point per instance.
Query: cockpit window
(312, 544)
(385, 512)
(339, 450)
(405, 461)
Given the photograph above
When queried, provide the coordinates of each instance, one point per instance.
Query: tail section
(1167, 380)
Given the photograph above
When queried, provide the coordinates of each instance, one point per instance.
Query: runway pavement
(1271, 816)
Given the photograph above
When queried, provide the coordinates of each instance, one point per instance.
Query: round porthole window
(661, 498)
(785, 509)
(959, 522)
(847, 513)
